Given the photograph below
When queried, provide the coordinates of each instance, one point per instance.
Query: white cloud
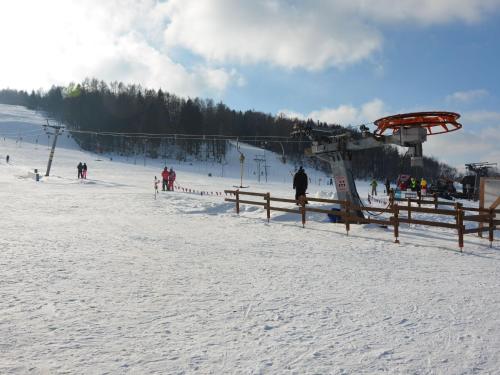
(310, 35)
(487, 118)
(287, 113)
(262, 31)
(477, 141)
(344, 114)
(467, 96)
(424, 12)
(464, 146)
(58, 41)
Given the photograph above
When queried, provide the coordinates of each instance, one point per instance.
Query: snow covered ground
(99, 277)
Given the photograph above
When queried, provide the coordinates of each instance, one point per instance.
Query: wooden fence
(348, 212)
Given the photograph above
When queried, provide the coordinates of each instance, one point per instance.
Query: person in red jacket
(164, 176)
(171, 179)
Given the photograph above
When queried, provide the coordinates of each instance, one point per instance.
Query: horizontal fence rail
(347, 213)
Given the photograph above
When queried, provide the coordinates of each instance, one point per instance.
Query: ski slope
(98, 276)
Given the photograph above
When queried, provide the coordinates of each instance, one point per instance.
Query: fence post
(237, 193)
(391, 198)
(346, 217)
(409, 211)
(435, 201)
(268, 205)
(395, 219)
(303, 210)
(460, 225)
(491, 226)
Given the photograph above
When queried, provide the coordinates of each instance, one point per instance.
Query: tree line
(97, 106)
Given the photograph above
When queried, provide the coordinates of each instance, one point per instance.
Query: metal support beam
(57, 131)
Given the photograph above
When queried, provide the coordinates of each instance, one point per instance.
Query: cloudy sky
(340, 61)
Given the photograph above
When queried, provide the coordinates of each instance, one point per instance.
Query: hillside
(98, 275)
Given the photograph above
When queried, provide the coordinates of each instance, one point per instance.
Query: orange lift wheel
(433, 122)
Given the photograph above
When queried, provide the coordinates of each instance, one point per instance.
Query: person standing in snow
(413, 184)
(387, 186)
(84, 171)
(374, 185)
(423, 186)
(164, 176)
(79, 167)
(171, 179)
(156, 183)
(300, 183)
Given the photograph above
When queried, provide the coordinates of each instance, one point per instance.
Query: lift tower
(407, 130)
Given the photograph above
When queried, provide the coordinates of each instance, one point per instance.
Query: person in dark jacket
(84, 171)
(300, 183)
(387, 186)
(79, 167)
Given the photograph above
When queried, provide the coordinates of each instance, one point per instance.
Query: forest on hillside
(136, 120)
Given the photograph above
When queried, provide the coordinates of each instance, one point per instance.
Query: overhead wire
(184, 136)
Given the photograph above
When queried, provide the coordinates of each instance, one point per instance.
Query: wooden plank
(413, 200)
(443, 203)
(284, 210)
(283, 200)
(437, 211)
(325, 211)
(381, 222)
(475, 209)
(246, 202)
(252, 193)
(374, 209)
(323, 200)
(496, 203)
(476, 230)
(429, 223)
(478, 218)
(481, 199)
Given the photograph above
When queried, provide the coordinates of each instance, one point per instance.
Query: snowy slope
(99, 277)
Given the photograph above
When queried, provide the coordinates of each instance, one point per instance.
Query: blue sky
(340, 61)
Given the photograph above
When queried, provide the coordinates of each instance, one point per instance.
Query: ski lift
(283, 157)
(242, 161)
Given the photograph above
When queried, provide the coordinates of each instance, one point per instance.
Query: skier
(374, 185)
(418, 187)
(84, 171)
(156, 183)
(300, 183)
(164, 176)
(171, 179)
(423, 186)
(79, 167)
(387, 185)
(413, 184)
(7, 158)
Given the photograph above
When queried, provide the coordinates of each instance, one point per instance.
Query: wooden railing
(348, 212)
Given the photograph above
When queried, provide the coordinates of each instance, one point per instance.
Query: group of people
(82, 170)
(403, 184)
(413, 184)
(374, 185)
(168, 177)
